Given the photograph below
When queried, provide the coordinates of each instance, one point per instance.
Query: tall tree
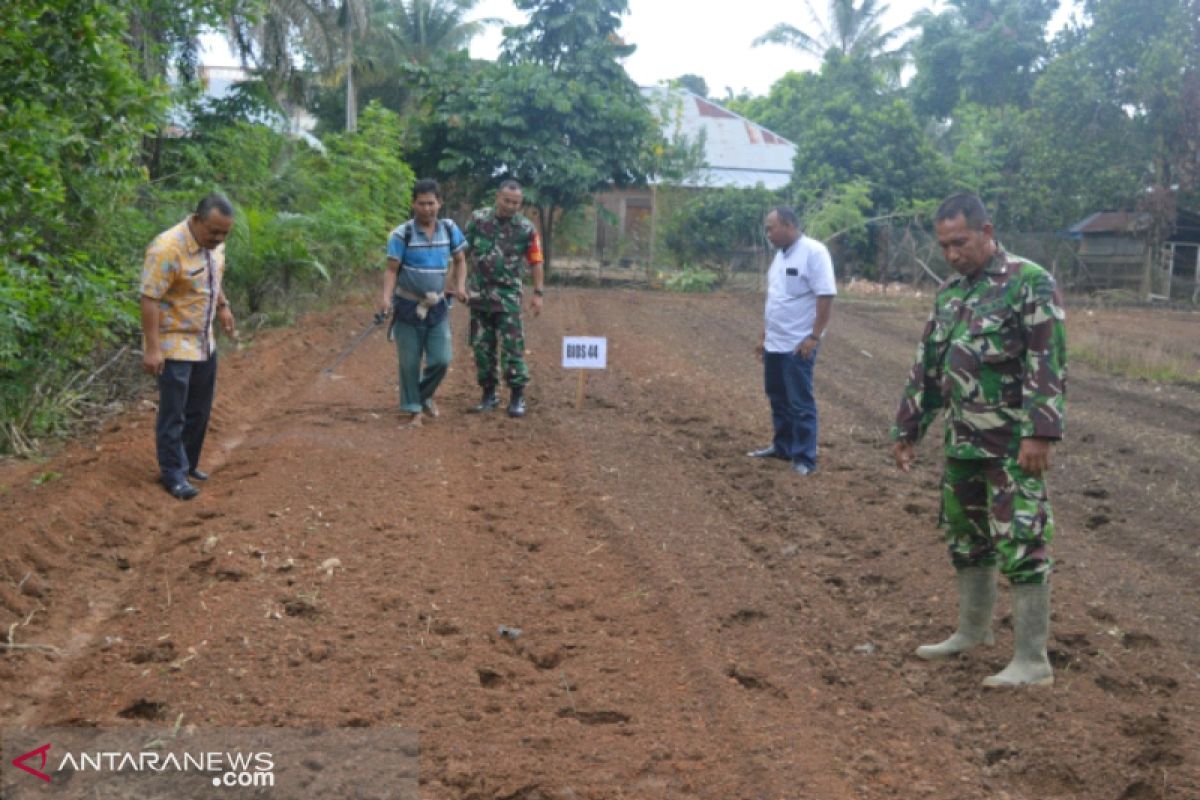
(1111, 124)
(421, 31)
(571, 36)
(276, 36)
(849, 127)
(560, 114)
(693, 83)
(352, 19)
(405, 37)
(282, 39)
(165, 34)
(987, 52)
(850, 28)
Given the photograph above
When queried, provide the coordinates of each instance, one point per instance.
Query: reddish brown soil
(693, 624)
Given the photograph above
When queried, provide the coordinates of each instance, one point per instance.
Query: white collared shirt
(797, 277)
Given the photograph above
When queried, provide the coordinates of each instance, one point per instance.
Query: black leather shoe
(182, 490)
(767, 452)
(490, 401)
(198, 475)
(516, 406)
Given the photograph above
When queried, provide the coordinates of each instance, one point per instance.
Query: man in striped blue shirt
(425, 266)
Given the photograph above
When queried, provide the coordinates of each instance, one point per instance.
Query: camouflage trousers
(993, 512)
(498, 339)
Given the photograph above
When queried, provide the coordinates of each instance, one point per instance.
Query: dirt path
(692, 624)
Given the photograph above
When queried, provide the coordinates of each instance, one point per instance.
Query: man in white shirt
(800, 292)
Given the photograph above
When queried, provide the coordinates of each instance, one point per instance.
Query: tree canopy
(103, 141)
(849, 28)
(987, 52)
(559, 113)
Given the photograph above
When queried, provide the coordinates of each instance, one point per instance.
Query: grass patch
(1159, 360)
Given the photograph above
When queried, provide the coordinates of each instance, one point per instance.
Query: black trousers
(185, 395)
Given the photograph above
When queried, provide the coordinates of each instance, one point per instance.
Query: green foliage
(849, 128)
(782, 108)
(841, 213)
(304, 217)
(405, 37)
(1108, 112)
(693, 83)
(986, 53)
(271, 251)
(672, 157)
(560, 115)
(850, 29)
(575, 37)
(77, 209)
(690, 279)
(165, 34)
(987, 152)
(73, 112)
(1106, 116)
(716, 223)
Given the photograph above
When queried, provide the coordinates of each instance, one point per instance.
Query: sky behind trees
(712, 39)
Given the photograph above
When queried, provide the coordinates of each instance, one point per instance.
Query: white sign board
(585, 352)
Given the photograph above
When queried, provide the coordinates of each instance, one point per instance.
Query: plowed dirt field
(693, 624)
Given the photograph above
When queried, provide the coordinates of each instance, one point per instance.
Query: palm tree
(270, 40)
(352, 19)
(358, 42)
(322, 31)
(855, 30)
(420, 30)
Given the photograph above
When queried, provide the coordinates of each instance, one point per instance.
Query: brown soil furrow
(612, 601)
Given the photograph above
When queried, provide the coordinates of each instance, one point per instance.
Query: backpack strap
(447, 226)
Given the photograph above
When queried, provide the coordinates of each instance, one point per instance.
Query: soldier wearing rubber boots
(993, 358)
(501, 242)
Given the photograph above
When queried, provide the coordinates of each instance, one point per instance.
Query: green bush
(305, 219)
(712, 226)
(73, 112)
(691, 279)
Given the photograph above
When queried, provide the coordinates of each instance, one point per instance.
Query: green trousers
(415, 343)
(994, 513)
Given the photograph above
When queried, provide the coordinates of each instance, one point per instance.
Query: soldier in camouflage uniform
(993, 356)
(501, 241)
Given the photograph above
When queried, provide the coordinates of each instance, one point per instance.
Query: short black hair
(212, 201)
(968, 205)
(510, 185)
(787, 215)
(427, 186)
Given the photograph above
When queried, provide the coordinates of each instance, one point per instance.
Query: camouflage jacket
(498, 250)
(994, 355)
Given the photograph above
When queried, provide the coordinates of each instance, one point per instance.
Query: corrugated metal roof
(1185, 230)
(737, 152)
(1111, 222)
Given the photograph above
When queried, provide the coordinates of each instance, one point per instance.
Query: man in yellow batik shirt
(181, 297)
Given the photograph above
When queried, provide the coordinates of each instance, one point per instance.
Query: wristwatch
(540, 292)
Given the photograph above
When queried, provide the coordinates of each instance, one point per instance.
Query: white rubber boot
(976, 599)
(1031, 628)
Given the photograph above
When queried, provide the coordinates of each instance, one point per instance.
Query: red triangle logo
(19, 762)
